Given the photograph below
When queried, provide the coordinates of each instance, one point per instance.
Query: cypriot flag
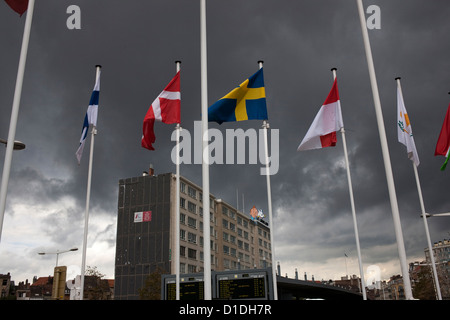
(404, 130)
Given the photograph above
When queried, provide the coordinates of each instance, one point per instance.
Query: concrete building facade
(146, 232)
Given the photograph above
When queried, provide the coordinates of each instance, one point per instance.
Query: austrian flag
(328, 120)
(165, 108)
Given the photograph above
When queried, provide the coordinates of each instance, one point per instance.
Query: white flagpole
(88, 196)
(352, 202)
(205, 156)
(430, 247)
(15, 112)
(269, 203)
(386, 157)
(422, 206)
(177, 210)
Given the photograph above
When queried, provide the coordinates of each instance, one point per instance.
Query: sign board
(59, 283)
(143, 216)
(255, 284)
(191, 287)
(247, 285)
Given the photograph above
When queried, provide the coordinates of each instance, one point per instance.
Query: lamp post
(18, 145)
(57, 253)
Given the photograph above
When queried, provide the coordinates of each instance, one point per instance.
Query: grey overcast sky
(137, 43)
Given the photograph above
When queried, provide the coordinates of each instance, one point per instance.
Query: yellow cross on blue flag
(246, 102)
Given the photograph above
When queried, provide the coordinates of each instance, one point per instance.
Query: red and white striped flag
(328, 120)
(165, 108)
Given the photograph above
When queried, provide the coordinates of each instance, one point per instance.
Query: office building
(146, 232)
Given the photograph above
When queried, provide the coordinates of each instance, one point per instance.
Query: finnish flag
(90, 118)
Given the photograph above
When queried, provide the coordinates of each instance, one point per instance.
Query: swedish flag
(246, 102)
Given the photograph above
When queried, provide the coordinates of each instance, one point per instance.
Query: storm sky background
(137, 44)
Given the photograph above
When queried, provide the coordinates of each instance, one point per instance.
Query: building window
(192, 192)
(192, 207)
(192, 269)
(182, 202)
(192, 253)
(192, 222)
(192, 237)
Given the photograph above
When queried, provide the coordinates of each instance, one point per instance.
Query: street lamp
(18, 145)
(57, 253)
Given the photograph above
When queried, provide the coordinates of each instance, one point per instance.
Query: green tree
(424, 288)
(152, 286)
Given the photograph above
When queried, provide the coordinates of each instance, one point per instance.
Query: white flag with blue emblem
(90, 118)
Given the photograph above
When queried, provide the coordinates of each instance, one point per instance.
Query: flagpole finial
(177, 61)
(98, 66)
(260, 61)
(333, 69)
(398, 78)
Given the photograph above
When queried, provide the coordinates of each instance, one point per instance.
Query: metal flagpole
(88, 196)
(422, 206)
(15, 112)
(177, 210)
(386, 157)
(205, 156)
(446, 214)
(269, 203)
(352, 202)
(430, 247)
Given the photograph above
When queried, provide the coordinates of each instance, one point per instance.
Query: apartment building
(146, 232)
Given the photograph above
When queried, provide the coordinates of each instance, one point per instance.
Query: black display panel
(244, 286)
(188, 290)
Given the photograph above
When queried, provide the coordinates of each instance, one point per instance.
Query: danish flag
(165, 108)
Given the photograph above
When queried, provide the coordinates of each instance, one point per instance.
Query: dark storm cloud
(299, 41)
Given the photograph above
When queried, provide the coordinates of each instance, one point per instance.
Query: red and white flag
(328, 120)
(19, 6)
(165, 108)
